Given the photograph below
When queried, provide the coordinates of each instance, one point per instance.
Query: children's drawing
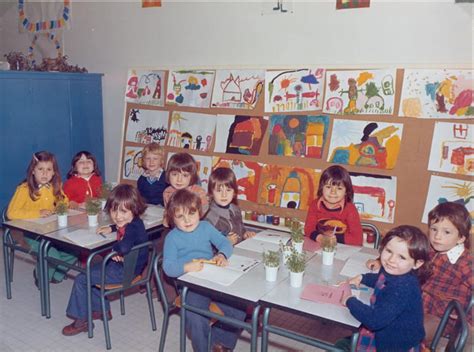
(360, 92)
(298, 135)
(204, 166)
(351, 4)
(190, 130)
(288, 187)
(294, 90)
(247, 174)
(146, 126)
(238, 134)
(375, 196)
(437, 94)
(145, 87)
(132, 163)
(364, 143)
(452, 148)
(237, 89)
(445, 189)
(190, 88)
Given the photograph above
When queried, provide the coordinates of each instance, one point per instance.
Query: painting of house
(191, 130)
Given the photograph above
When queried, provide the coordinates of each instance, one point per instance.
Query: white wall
(110, 37)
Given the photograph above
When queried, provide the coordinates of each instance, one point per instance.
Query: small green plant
(61, 208)
(105, 190)
(296, 261)
(271, 258)
(328, 243)
(93, 206)
(297, 234)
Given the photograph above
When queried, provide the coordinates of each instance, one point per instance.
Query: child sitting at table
(394, 319)
(152, 183)
(224, 213)
(332, 213)
(187, 244)
(125, 206)
(37, 197)
(83, 179)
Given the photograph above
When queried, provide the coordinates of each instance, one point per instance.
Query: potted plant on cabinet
(296, 264)
(105, 190)
(271, 260)
(93, 208)
(61, 211)
(328, 246)
(297, 236)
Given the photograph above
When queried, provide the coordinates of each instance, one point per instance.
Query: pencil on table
(205, 261)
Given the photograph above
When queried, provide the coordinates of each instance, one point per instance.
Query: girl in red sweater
(332, 212)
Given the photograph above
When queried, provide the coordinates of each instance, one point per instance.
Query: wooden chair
(372, 228)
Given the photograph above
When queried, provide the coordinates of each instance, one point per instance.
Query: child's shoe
(76, 327)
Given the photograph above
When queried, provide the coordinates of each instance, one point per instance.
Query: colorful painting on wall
(132, 163)
(145, 87)
(360, 92)
(204, 166)
(351, 4)
(375, 196)
(298, 135)
(364, 143)
(237, 89)
(237, 134)
(452, 148)
(190, 130)
(247, 174)
(445, 189)
(282, 186)
(146, 126)
(437, 94)
(294, 90)
(190, 88)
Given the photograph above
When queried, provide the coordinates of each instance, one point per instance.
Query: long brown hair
(33, 187)
(183, 162)
(75, 159)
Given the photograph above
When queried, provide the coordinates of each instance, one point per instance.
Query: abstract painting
(145, 87)
(365, 143)
(452, 148)
(237, 134)
(132, 163)
(190, 88)
(247, 174)
(294, 90)
(146, 126)
(204, 167)
(237, 89)
(375, 196)
(360, 92)
(288, 187)
(444, 189)
(437, 94)
(298, 135)
(191, 130)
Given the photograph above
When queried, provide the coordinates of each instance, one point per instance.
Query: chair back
(372, 228)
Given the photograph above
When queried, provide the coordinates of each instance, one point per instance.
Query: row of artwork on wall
(425, 93)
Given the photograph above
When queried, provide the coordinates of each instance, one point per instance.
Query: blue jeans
(197, 326)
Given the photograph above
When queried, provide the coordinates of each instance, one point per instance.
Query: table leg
(182, 332)
(266, 315)
(45, 279)
(254, 332)
(41, 275)
(6, 262)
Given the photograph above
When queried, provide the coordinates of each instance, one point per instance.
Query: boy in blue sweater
(189, 240)
(152, 183)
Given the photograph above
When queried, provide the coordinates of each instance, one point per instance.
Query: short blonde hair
(153, 148)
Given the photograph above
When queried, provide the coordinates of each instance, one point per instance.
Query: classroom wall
(109, 37)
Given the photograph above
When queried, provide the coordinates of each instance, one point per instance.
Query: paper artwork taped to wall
(452, 148)
(132, 163)
(247, 174)
(375, 196)
(145, 87)
(238, 134)
(365, 143)
(288, 187)
(190, 130)
(294, 90)
(445, 189)
(437, 94)
(237, 89)
(204, 167)
(360, 92)
(298, 135)
(147, 126)
(190, 88)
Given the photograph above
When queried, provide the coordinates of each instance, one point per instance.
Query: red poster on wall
(351, 4)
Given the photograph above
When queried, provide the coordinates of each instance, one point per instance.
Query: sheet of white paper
(153, 214)
(87, 238)
(241, 263)
(272, 236)
(343, 252)
(216, 274)
(45, 220)
(355, 265)
(258, 246)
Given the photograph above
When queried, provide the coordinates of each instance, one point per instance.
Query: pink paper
(311, 246)
(326, 294)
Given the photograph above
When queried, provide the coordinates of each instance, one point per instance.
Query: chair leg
(151, 308)
(164, 329)
(122, 304)
(209, 339)
(6, 264)
(105, 320)
(12, 262)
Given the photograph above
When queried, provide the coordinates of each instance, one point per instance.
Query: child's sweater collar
(455, 253)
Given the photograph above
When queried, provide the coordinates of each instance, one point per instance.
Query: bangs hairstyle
(418, 247)
(337, 176)
(183, 162)
(223, 176)
(185, 200)
(33, 187)
(457, 214)
(153, 148)
(88, 155)
(125, 197)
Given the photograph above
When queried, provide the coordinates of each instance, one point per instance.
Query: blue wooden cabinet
(57, 112)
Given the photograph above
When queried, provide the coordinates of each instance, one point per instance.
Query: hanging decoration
(40, 17)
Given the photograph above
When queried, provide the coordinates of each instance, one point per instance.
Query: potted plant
(271, 260)
(105, 190)
(328, 245)
(296, 264)
(61, 211)
(297, 236)
(93, 208)
(285, 251)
